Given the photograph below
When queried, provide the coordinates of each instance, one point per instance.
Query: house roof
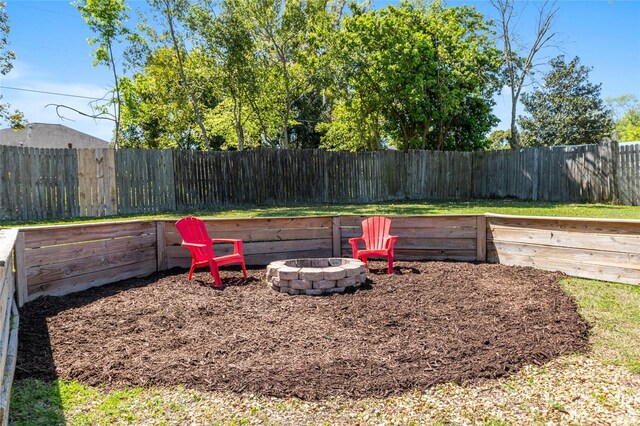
(46, 135)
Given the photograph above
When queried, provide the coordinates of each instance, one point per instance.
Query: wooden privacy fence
(9, 321)
(56, 260)
(59, 183)
(628, 174)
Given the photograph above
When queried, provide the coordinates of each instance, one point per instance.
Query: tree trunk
(287, 88)
(116, 106)
(237, 115)
(183, 77)
(514, 140)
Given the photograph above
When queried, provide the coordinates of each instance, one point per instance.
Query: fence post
(614, 150)
(481, 238)
(21, 270)
(336, 236)
(535, 173)
(161, 252)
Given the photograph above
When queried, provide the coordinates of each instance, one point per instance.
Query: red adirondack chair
(377, 241)
(196, 239)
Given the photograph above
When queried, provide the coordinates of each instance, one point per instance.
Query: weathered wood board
(590, 248)
(9, 320)
(67, 258)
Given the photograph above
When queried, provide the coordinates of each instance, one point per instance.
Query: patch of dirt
(430, 322)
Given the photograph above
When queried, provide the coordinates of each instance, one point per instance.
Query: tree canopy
(245, 74)
(627, 116)
(14, 118)
(241, 74)
(567, 109)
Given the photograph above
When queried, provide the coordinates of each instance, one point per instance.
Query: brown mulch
(431, 322)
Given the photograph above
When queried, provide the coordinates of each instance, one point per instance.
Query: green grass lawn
(536, 395)
(510, 207)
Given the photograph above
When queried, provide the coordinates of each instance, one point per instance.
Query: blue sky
(49, 39)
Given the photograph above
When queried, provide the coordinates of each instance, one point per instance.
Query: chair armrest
(237, 244)
(193, 245)
(354, 245)
(390, 241)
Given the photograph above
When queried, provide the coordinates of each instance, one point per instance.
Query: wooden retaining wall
(9, 320)
(425, 237)
(264, 240)
(67, 258)
(56, 260)
(599, 249)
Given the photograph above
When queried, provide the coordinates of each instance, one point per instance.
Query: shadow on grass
(38, 395)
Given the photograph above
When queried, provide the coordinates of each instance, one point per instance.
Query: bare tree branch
(519, 66)
(99, 116)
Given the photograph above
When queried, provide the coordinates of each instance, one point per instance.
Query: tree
(567, 109)
(15, 119)
(499, 139)
(174, 12)
(106, 19)
(627, 117)
(519, 62)
(282, 30)
(419, 76)
(228, 41)
(156, 111)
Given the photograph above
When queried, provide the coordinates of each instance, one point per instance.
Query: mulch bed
(431, 322)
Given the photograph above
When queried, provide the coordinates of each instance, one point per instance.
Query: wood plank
(21, 270)
(448, 254)
(336, 236)
(229, 224)
(8, 238)
(61, 254)
(261, 259)
(410, 232)
(428, 244)
(595, 257)
(250, 248)
(161, 254)
(558, 238)
(424, 221)
(481, 238)
(94, 279)
(5, 333)
(264, 234)
(66, 234)
(38, 275)
(10, 366)
(583, 270)
(584, 225)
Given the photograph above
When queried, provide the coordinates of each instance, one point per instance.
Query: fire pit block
(315, 277)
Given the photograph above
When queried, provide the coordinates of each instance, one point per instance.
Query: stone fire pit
(315, 276)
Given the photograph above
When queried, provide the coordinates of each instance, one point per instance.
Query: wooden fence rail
(60, 183)
(9, 320)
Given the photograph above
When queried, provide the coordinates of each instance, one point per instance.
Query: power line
(50, 93)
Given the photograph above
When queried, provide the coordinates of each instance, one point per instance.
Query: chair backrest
(374, 231)
(193, 230)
